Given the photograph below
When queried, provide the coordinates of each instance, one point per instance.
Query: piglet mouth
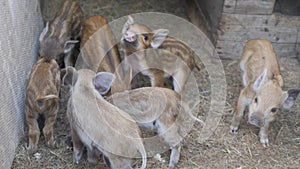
(129, 44)
(130, 38)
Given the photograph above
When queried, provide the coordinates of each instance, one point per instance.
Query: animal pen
(227, 23)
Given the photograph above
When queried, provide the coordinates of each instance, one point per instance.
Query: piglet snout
(256, 121)
(130, 36)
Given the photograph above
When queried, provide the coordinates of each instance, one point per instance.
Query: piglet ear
(290, 97)
(158, 37)
(127, 24)
(69, 45)
(45, 30)
(130, 20)
(103, 81)
(63, 72)
(260, 80)
(70, 76)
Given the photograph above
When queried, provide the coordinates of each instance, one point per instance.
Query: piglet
(98, 48)
(60, 36)
(262, 90)
(41, 98)
(157, 55)
(99, 125)
(156, 108)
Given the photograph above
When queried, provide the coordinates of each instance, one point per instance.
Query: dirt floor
(222, 149)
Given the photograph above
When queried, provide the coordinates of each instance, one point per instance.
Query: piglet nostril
(256, 122)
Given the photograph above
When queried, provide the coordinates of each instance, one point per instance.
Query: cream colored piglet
(156, 108)
(99, 125)
(262, 90)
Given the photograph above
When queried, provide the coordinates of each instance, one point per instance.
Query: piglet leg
(92, 156)
(34, 131)
(77, 146)
(243, 101)
(156, 78)
(263, 134)
(48, 128)
(175, 155)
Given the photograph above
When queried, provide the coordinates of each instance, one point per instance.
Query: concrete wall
(21, 24)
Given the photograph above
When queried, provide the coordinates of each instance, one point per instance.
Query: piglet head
(139, 36)
(268, 99)
(53, 46)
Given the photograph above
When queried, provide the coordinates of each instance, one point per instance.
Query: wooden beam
(233, 49)
(254, 7)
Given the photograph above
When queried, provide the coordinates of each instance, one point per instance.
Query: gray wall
(21, 24)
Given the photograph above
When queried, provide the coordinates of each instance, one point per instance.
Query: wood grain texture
(249, 6)
(236, 29)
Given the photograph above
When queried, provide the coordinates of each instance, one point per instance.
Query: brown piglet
(41, 98)
(60, 36)
(98, 48)
(157, 55)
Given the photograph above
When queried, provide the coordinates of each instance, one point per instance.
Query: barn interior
(227, 24)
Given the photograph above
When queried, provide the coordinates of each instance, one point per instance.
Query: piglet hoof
(31, 149)
(69, 142)
(77, 156)
(92, 156)
(264, 142)
(171, 167)
(233, 130)
(52, 144)
(76, 160)
(92, 160)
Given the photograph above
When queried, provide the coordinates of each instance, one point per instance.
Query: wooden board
(233, 49)
(298, 51)
(229, 6)
(254, 6)
(236, 29)
(197, 17)
(206, 15)
(248, 6)
(276, 19)
(271, 33)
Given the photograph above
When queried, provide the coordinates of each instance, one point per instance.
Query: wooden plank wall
(206, 14)
(248, 19)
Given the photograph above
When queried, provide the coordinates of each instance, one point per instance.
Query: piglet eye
(255, 100)
(273, 110)
(145, 37)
